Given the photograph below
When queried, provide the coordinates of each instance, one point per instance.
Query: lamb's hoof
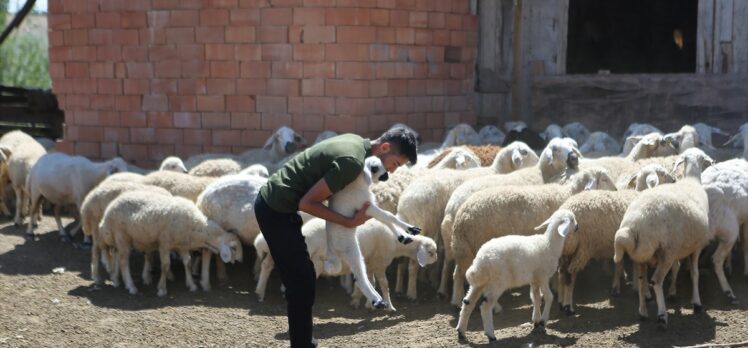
(731, 297)
(569, 311)
(697, 308)
(461, 336)
(539, 326)
(414, 230)
(491, 338)
(65, 238)
(662, 322)
(161, 292)
(193, 288)
(133, 291)
(29, 237)
(378, 304)
(206, 287)
(404, 240)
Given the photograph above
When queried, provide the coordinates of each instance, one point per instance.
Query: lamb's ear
(4, 153)
(422, 256)
(652, 180)
(564, 228)
(591, 184)
(544, 224)
(677, 163)
(225, 252)
(577, 152)
(548, 153)
(631, 183)
(270, 140)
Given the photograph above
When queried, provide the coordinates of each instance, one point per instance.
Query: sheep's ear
(677, 163)
(4, 153)
(732, 139)
(548, 153)
(591, 184)
(544, 224)
(225, 252)
(460, 160)
(422, 256)
(652, 180)
(270, 140)
(564, 228)
(631, 183)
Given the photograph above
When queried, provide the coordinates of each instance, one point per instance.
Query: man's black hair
(403, 142)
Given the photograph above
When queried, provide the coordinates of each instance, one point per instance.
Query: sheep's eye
(374, 169)
(296, 138)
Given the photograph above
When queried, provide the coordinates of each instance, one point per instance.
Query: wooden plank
(715, 52)
(740, 37)
(704, 36)
(488, 45)
(563, 35)
(726, 56)
(725, 24)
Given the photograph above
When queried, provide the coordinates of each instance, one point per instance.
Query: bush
(24, 57)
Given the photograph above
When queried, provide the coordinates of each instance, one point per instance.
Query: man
(303, 184)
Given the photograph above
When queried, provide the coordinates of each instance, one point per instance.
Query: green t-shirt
(339, 160)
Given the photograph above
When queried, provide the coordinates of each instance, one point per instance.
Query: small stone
(59, 270)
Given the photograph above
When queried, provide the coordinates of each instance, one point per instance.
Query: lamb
(179, 184)
(341, 241)
(552, 131)
(461, 134)
(63, 179)
(685, 138)
(741, 135)
(599, 213)
(520, 132)
(600, 142)
(216, 167)
(256, 169)
(513, 261)
(173, 164)
(92, 210)
(485, 153)
(19, 165)
(457, 158)
(490, 134)
(504, 210)
(640, 129)
(650, 146)
(666, 224)
(161, 223)
(9, 142)
(576, 131)
(705, 133)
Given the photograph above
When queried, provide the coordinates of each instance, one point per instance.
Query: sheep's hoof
(539, 326)
(491, 338)
(147, 280)
(697, 308)
(65, 238)
(404, 240)
(414, 230)
(568, 311)
(461, 336)
(133, 291)
(206, 287)
(29, 237)
(161, 292)
(378, 304)
(734, 301)
(662, 322)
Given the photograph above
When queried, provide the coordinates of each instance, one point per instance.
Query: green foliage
(24, 57)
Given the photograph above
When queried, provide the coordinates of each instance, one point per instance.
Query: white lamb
(576, 131)
(665, 224)
(685, 138)
(513, 261)
(173, 164)
(9, 142)
(742, 135)
(256, 169)
(705, 133)
(216, 167)
(601, 143)
(19, 165)
(491, 134)
(179, 184)
(341, 241)
(63, 179)
(459, 158)
(149, 223)
(552, 131)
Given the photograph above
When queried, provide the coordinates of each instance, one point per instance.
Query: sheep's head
(652, 144)
(694, 161)
(595, 178)
(461, 134)
(650, 176)
(374, 169)
(285, 140)
(174, 164)
(426, 253)
(577, 131)
(600, 142)
(552, 131)
(560, 153)
(491, 134)
(116, 165)
(227, 244)
(562, 221)
(514, 156)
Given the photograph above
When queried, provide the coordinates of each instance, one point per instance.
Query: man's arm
(311, 203)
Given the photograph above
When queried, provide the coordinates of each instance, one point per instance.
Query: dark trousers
(282, 232)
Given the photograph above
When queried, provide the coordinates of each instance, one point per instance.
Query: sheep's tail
(622, 243)
(475, 277)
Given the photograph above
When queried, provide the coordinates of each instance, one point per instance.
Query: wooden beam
(704, 36)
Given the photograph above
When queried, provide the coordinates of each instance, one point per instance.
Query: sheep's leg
(372, 280)
(695, 296)
(333, 264)
(641, 270)
(257, 267)
(634, 278)
(723, 250)
(658, 277)
(458, 283)
(186, 259)
(486, 311)
(195, 265)
(468, 304)
(165, 268)
(63, 235)
(20, 203)
(356, 263)
(537, 301)
(568, 294)
(76, 228)
(745, 249)
(400, 276)
(616, 286)
(355, 296)
(445, 276)
(391, 220)
(113, 256)
(346, 282)
(265, 268)
(223, 278)
(205, 272)
(673, 287)
(412, 280)
(548, 299)
(384, 286)
(147, 268)
(95, 259)
(124, 263)
(33, 212)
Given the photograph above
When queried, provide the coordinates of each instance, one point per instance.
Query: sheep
(552, 131)
(620, 167)
(599, 213)
(522, 133)
(705, 133)
(256, 169)
(341, 241)
(457, 158)
(324, 136)
(179, 184)
(486, 154)
(741, 135)
(173, 164)
(640, 129)
(554, 161)
(685, 138)
(461, 134)
(19, 165)
(665, 224)
(47, 143)
(216, 167)
(92, 210)
(648, 176)
(513, 261)
(503, 210)
(600, 142)
(576, 131)
(491, 134)
(9, 142)
(63, 179)
(161, 223)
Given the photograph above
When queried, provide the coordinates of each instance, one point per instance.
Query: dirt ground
(39, 308)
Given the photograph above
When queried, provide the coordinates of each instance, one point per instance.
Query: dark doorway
(632, 36)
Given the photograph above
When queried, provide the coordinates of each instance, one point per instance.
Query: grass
(24, 57)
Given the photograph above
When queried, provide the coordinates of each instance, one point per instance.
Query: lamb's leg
(346, 282)
(468, 304)
(20, 203)
(445, 276)
(165, 267)
(205, 272)
(745, 249)
(114, 262)
(486, 311)
(616, 286)
(333, 264)
(673, 287)
(257, 266)
(569, 294)
(548, 299)
(384, 286)
(124, 264)
(63, 235)
(537, 300)
(391, 220)
(412, 280)
(265, 268)
(356, 263)
(658, 277)
(695, 297)
(223, 278)
(458, 283)
(400, 276)
(147, 268)
(356, 297)
(95, 259)
(33, 212)
(186, 259)
(641, 270)
(723, 250)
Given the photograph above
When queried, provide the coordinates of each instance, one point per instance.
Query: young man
(303, 184)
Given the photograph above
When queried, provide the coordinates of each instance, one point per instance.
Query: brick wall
(145, 79)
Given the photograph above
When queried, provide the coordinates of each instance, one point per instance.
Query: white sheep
(504, 210)
(576, 131)
(341, 241)
(513, 261)
(19, 165)
(256, 169)
(491, 134)
(516, 126)
(600, 142)
(63, 179)
(9, 142)
(149, 223)
(685, 138)
(665, 224)
(173, 164)
(552, 131)
(324, 135)
(216, 167)
(458, 157)
(705, 133)
(742, 135)
(640, 129)
(619, 168)
(179, 184)
(92, 210)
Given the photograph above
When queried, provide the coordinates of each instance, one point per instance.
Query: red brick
(117, 135)
(109, 20)
(57, 21)
(287, 70)
(380, 17)
(87, 149)
(454, 21)
(403, 70)
(273, 105)
(309, 16)
(384, 106)
(356, 34)
(210, 103)
(424, 37)
(255, 69)
(75, 69)
(347, 16)
(441, 37)
(136, 86)
(308, 52)
(102, 102)
(240, 103)
(191, 52)
(276, 16)
(109, 86)
(248, 52)
(404, 104)
(164, 86)
(195, 68)
(406, 36)
(461, 6)
(419, 19)
(347, 52)
(245, 17)
(458, 38)
(90, 133)
(221, 86)
(182, 103)
(350, 70)
(228, 69)
(317, 34)
(125, 37)
(149, 36)
(286, 3)
(108, 53)
(283, 87)
(84, 86)
(439, 70)
(180, 35)
(210, 35)
(386, 35)
(397, 87)
(214, 17)
(56, 38)
(187, 120)
(319, 105)
(340, 123)
(240, 34)
(354, 106)
(133, 119)
(82, 20)
(226, 137)
(274, 121)
(277, 52)
(76, 37)
(135, 53)
(155, 103)
(346, 88)
(197, 136)
(313, 87)
(219, 52)
(276, 34)
(307, 122)
(378, 88)
(417, 54)
(133, 20)
(251, 86)
(157, 153)
(184, 18)
(142, 135)
(435, 87)
(216, 120)
(319, 70)
(185, 151)
(244, 120)
(457, 71)
(168, 69)
(399, 18)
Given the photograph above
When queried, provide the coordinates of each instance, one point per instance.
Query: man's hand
(360, 217)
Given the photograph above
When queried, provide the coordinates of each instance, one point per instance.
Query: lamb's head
(516, 126)
(116, 165)
(577, 131)
(651, 145)
(491, 134)
(694, 161)
(600, 142)
(174, 164)
(560, 153)
(594, 178)
(285, 141)
(426, 250)
(461, 134)
(650, 176)
(374, 169)
(226, 244)
(459, 158)
(514, 156)
(562, 221)
(686, 138)
(552, 131)
(325, 135)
